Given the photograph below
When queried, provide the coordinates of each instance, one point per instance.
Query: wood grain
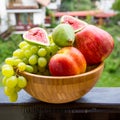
(62, 89)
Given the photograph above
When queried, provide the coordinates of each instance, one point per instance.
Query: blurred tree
(76, 5)
(116, 5)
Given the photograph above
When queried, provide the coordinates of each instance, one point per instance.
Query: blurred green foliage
(111, 73)
(8, 46)
(116, 5)
(76, 5)
(115, 19)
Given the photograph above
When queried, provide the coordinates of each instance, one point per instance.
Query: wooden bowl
(62, 89)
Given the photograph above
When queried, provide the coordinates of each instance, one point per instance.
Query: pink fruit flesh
(74, 22)
(36, 35)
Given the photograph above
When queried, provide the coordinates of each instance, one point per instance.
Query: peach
(68, 61)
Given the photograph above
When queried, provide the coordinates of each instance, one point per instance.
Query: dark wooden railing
(98, 104)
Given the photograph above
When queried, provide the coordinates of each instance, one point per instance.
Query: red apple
(68, 61)
(94, 43)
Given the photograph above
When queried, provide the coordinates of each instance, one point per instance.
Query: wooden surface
(98, 97)
(62, 89)
(99, 102)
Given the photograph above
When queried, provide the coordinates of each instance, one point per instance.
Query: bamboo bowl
(62, 89)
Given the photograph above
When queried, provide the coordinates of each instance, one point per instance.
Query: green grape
(27, 53)
(29, 68)
(47, 72)
(13, 97)
(17, 89)
(42, 52)
(11, 81)
(22, 82)
(6, 66)
(26, 47)
(9, 61)
(53, 48)
(7, 70)
(25, 60)
(18, 53)
(34, 49)
(42, 61)
(35, 68)
(41, 69)
(48, 56)
(50, 38)
(17, 61)
(8, 91)
(33, 60)
(21, 66)
(4, 80)
(23, 44)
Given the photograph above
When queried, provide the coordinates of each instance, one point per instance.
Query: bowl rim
(101, 65)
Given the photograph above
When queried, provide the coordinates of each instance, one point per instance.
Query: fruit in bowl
(68, 61)
(63, 35)
(76, 24)
(95, 44)
(55, 89)
(60, 67)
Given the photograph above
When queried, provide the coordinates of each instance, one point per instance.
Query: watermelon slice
(77, 24)
(37, 36)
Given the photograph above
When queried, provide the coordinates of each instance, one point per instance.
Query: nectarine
(68, 61)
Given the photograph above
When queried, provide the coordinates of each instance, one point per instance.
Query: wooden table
(98, 104)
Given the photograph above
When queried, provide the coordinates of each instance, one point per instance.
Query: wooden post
(100, 21)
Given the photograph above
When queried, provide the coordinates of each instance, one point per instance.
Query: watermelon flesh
(77, 24)
(37, 36)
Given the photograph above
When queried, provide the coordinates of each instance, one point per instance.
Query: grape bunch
(30, 58)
